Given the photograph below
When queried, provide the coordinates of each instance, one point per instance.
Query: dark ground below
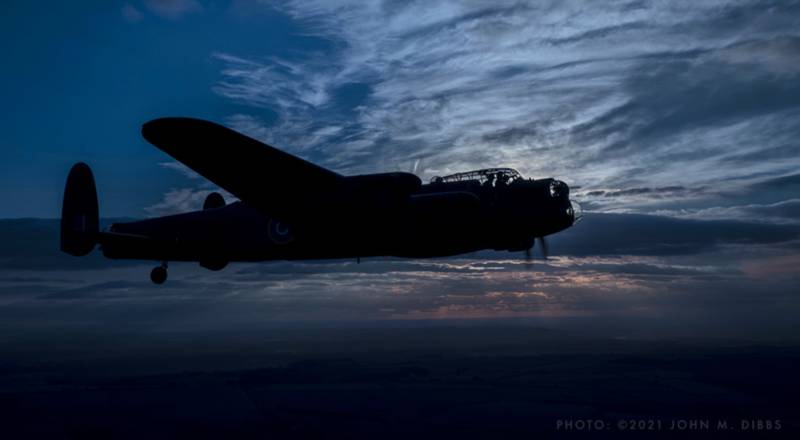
(404, 382)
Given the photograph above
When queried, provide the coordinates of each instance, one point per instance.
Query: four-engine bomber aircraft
(291, 209)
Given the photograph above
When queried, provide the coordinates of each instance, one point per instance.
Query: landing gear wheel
(158, 275)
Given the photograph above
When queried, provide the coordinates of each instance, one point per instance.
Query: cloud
(773, 55)
(255, 295)
(641, 191)
(181, 168)
(131, 14)
(172, 9)
(787, 211)
(633, 234)
(790, 181)
(180, 200)
(620, 95)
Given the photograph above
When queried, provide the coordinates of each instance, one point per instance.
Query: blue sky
(81, 78)
(677, 123)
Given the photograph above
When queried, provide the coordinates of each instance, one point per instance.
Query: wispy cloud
(131, 13)
(179, 200)
(787, 211)
(172, 9)
(190, 198)
(606, 96)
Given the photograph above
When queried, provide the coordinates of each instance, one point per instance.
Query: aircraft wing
(262, 176)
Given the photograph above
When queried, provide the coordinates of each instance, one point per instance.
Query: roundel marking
(279, 233)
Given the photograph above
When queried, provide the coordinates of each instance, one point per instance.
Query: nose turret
(575, 211)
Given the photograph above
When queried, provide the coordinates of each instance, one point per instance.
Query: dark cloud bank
(717, 278)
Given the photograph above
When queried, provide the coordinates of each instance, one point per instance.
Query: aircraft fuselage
(439, 220)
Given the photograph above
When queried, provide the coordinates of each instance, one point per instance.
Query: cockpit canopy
(506, 175)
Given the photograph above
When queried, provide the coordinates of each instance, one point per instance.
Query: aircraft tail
(80, 220)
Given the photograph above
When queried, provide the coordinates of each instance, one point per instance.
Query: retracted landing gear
(159, 273)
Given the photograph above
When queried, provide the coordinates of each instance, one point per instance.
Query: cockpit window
(558, 189)
(493, 175)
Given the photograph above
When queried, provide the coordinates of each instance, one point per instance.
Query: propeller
(545, 249)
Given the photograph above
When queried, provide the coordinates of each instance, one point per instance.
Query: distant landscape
(420, 379)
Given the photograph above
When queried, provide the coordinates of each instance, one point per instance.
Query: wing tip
(162, 129)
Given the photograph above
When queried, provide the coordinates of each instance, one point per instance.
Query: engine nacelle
(212, 264)
(213, 201)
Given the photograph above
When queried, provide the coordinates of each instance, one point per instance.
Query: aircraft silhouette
(291, 209)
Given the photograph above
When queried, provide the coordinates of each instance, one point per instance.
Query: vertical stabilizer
(79, 214)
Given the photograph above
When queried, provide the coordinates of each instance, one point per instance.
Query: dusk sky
(676, 123)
